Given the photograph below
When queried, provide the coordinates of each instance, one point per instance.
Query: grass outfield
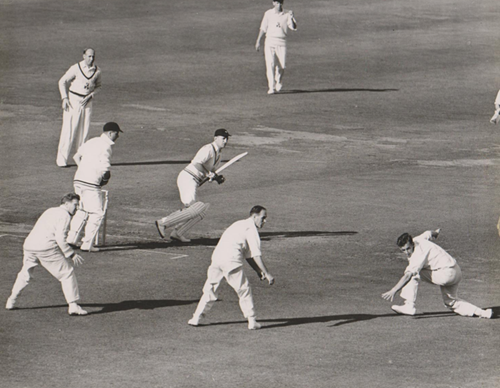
(382, 127)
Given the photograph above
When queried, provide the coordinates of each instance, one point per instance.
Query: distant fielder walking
(430, 262)
(203, 165)
(46, 245)
(94, 163)
(274, 26)
(239, 242)
(77, 86)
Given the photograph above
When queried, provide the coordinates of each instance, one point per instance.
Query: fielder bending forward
(430, 262)
(203, 166)
(46, 245)
(240, 241)
(94, 162)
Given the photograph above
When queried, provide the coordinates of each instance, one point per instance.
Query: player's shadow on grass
(127, 305)
(212, 242)
(156, 162)
(336, 90)
(338, 319)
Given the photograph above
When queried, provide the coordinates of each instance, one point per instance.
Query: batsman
(202, 168)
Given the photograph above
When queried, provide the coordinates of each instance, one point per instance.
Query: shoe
(253, 324)
(177, 237)
(10, 305)
(270, 91)
(75, 309)
(195, 321)
(278, 86)
(89, 249)
(494, 119)
(406, 309)
(486, 314)
(161, 229)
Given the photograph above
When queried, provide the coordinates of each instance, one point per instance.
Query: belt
(78, 94)
(197, 179)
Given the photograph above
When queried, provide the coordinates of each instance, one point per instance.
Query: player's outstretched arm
(389, 295)
(258, 261)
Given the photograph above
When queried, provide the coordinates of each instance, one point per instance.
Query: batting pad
(197, 209)
(76, 227)
(192, 222)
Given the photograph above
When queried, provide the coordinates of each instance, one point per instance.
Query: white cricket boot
(406, 309)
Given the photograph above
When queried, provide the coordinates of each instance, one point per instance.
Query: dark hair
(257, 209)
(69, 197)
(404, 239)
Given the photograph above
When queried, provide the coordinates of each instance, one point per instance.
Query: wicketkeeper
(94, 162)
(203, 166)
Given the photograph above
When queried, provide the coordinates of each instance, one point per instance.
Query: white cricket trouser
(75, 128)
(237, 280)
(57, 265)
(91, 200)
(448, 279)
(187, 186)
(275, 64)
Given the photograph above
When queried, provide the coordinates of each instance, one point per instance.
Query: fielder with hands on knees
(239, 242)
(430, 262)
(77, 86)
(46, 245)
(274, 26)
(203, 166)
(94, 163)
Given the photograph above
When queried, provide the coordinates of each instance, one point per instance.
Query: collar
(216, 147)
(84, 66)
(107, 139)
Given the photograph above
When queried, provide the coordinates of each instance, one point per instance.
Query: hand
(257, 46)
(435, 233)
(219, 179)
(389, 295)
(77, 260)
(85, 101)
(269, 278)
(211, 176)
(105, 178)
(66, 105)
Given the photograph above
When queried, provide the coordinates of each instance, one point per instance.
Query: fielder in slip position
(430, 262)
(94, 162)
(46, 245)
(275, 25)
(77, 86)
(239, 242)
(203, 166)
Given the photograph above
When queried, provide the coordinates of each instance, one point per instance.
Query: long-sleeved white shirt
(95, 159)
(428, 255)
(80, 79)
(239, 242)
(50, 231)
(208, 157)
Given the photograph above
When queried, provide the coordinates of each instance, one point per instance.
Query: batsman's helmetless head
(89, 56)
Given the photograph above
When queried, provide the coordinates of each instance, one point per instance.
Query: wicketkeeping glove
(105, 178)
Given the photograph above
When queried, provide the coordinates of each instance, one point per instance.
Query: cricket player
(496, 116)
(203, 166)
(430, 262)
(94, 161)
(77, 86)
(274, 26)
(46, 245)
(239, 242)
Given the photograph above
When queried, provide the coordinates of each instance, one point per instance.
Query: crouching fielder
(430, 262)
(203, 166)
(46, 245)
(239, 242)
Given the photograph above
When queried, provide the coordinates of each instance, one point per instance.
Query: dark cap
(111, 127)
(222, 132)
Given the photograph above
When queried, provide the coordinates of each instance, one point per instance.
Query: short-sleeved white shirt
(428, 255)
(276, 25)
(239, 242)
(50, 231)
